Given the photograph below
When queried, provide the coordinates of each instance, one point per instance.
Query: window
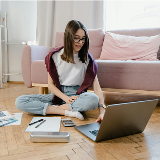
(131, 14)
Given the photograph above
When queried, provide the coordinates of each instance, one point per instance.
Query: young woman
(71, 70)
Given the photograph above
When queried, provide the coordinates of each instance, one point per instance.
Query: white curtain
(53, 16)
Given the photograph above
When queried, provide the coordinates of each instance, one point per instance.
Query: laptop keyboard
(94, 132)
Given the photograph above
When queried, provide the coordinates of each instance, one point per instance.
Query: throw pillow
(122, 47)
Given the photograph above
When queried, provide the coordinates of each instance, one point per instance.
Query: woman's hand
(70, 99)
(100, 118)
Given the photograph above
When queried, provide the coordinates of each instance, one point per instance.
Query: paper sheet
(18, 116)
(5, 115)
(52, 124)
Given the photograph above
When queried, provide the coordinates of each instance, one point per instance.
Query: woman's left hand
(100, 118)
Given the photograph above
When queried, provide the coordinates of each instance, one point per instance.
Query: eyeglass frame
(80, 39)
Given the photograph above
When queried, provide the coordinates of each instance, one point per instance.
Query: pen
(40, 123)
(36, 121)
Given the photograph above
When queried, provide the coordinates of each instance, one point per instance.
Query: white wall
(21, 24)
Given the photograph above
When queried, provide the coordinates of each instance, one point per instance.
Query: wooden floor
(15, 143)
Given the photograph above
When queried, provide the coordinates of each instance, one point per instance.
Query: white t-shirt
(70, 74)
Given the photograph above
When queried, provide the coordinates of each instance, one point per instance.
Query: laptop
(120, 120)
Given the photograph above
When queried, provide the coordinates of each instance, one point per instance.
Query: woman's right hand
(70, 99)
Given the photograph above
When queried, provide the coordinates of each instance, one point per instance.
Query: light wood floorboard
(15, 143)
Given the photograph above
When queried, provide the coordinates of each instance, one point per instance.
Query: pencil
(40, 123)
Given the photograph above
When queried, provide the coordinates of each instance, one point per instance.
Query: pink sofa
(134, 75)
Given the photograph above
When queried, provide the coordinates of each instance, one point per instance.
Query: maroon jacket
(91, 72)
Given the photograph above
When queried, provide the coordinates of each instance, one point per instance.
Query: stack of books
(6, 118)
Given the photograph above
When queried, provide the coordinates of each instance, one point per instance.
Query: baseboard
(16, 82)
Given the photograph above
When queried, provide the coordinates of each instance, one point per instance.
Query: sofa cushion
(137, 75)
(59, 39)
(122, 47)
(96, 37)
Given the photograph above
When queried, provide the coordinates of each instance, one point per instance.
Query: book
(6, 118)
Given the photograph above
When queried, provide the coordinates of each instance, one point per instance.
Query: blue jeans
(38, 103)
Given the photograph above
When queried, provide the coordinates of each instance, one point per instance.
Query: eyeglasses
(77, 40)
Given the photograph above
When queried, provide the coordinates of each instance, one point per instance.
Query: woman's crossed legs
(42, 104)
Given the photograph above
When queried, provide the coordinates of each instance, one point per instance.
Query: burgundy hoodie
(91, 72)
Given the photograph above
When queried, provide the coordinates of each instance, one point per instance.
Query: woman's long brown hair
(69, 33)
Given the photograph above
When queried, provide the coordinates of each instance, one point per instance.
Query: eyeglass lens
(78, 40)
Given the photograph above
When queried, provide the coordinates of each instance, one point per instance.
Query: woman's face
(79, 40)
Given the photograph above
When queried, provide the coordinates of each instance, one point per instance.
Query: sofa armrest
(39, 72)
(26, 66)
(30, 54)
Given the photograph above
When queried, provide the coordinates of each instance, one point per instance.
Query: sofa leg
(43, 90)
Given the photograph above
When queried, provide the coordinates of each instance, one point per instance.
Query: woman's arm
(98, 92)
(58, 93)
